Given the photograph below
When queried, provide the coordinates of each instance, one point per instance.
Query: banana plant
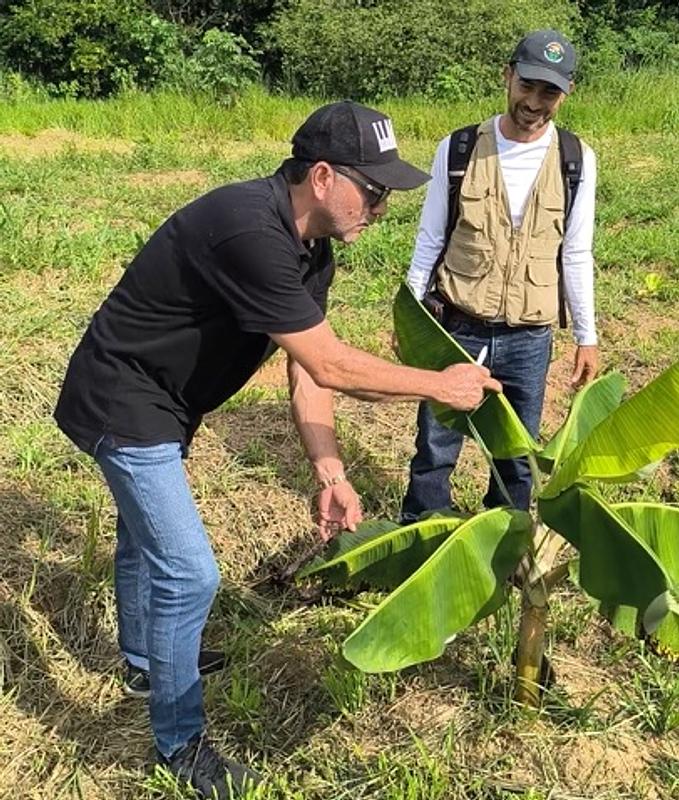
(446, 572)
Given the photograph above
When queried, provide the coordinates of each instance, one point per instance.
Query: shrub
(374, 48)
(15, 88)
(240, 16)
(222, 65)
(90, 48)
(617, 38)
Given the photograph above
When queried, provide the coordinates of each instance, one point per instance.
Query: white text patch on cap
(384, 131)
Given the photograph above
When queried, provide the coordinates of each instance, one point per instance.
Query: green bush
(239, 16)
(87, 47)
(221, 64)
(617, 37)
(15, 88)
(367, 49)
(244, 18)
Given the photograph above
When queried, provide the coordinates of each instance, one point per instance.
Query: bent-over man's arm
(333, 364)
(313, 413)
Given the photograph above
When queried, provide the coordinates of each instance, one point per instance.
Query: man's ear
(507, 73)
(321, 179)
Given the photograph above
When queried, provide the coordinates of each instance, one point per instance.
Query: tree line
(364, 49)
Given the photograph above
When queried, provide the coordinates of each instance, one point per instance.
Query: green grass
(70, 219)
(634, 102)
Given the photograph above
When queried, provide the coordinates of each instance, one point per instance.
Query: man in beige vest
(498, 277)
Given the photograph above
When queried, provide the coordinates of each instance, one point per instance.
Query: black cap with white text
(356, 136)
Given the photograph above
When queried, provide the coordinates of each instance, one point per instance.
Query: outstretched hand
(339, 508)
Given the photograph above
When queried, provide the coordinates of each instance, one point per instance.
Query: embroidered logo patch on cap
(384, 131)
(554, 52)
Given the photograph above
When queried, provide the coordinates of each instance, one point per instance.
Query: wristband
(326, 483)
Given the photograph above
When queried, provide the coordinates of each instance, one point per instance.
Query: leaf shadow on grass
(59, 660)
(270, 699)
(59, 651)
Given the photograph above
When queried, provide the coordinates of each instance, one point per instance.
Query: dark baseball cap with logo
(353, 135)
(545, 56)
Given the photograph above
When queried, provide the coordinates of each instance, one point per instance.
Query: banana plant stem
(531, 647)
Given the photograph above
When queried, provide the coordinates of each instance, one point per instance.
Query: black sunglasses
(375, 194)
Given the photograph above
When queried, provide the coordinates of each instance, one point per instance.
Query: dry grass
(55, 141)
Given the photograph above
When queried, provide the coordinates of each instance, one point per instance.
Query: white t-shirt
(520, 163)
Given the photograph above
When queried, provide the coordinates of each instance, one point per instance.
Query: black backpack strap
(570, 154)
(460, 147)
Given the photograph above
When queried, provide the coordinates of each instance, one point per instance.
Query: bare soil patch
(273, 374)
(558, 392)
(54, 141)
(641, 324)
(237, 149)
(158, 180)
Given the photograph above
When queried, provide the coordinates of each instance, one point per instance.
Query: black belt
(445, 312)
(453, 313)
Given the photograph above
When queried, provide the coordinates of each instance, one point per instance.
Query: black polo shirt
(189, 322)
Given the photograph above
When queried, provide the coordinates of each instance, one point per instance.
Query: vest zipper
(505, 284)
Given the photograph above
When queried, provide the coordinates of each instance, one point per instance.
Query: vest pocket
(541, 295)
(466, 275)
(472, 211)
(469, 256)
(548, 222)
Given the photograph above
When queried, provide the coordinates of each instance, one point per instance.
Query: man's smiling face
(531, 104)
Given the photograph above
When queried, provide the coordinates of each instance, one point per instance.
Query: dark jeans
(519, 358)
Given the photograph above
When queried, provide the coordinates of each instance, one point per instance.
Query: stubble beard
(341, 229)
(530, 123)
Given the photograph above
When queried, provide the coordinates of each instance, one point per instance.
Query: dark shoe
(211, 775)
(137, 683)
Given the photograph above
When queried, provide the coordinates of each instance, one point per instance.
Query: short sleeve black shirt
(190, 320)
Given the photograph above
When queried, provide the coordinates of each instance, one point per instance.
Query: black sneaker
(210, 775)
(137, 683)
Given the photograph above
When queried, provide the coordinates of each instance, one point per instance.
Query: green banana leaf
(462, 582)
(591, 405)
(619, 566)
(658, 526)
(639, 432)
(425, 344)
(626, 619)
(382, 553)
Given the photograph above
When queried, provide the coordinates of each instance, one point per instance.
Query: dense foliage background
(365, 49)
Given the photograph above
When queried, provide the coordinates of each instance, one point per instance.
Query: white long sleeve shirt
(520, 163)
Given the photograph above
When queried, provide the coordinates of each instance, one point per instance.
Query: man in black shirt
(224, 281)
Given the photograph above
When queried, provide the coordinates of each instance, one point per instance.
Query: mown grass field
(83, 184)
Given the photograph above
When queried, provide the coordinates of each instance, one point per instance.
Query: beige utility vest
(491, 270)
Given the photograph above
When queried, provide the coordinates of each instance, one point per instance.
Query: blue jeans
(519, 358)
(166, 578)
